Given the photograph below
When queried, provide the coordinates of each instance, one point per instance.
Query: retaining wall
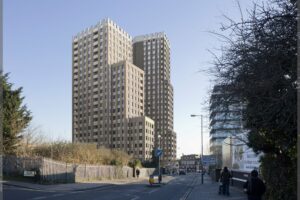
(51, 171)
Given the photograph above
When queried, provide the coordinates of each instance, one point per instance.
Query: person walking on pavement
(225, 179)
(254, 187)
(137, 173)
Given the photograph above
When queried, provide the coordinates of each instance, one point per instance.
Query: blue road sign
(158, 152)
(209, 160)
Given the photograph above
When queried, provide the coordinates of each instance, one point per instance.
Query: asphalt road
(175, 189)
(180, 188)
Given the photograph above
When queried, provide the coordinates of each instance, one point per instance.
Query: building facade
(237, 155)
(225, 119)
(190, 163)
(152, 54)
(108, 92)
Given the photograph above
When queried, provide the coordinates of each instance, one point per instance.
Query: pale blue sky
(37, 53)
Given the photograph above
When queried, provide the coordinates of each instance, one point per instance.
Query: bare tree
(259, 63)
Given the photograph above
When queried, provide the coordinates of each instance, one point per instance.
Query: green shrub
(80, 153)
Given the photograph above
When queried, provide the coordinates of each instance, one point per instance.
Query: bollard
(151, 179)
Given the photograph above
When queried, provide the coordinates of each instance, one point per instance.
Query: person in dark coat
(137, 173)
(254, 187)
(225, 179)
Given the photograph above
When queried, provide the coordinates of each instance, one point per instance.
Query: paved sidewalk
(209, 190)
(82, 185)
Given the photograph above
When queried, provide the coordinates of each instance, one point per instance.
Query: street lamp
(201, 116)
(159, 136)
(159, 154)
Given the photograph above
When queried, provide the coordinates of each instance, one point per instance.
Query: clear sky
(37, 53)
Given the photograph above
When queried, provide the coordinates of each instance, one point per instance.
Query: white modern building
(237, 155)
(225, 119)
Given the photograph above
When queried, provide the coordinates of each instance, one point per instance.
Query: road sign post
(158, 153)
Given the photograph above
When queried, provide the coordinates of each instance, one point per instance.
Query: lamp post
(201, 116)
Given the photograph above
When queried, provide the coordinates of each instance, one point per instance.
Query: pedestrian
(159, 178)
(220, 186)
(254, 187)
(137, 173)
(225, 179)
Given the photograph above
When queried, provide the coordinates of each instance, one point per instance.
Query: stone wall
(15, 166)
(146, 172)
(50, 171)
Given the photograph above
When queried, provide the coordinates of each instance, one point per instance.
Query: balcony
(95, 43)
(95, 63)
(75, 46)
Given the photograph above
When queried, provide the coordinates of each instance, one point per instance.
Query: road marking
(36, 198)
(135, 198)
(190, 189)
(58, 195)
(186, 194)
(153, 191)
(76, 192)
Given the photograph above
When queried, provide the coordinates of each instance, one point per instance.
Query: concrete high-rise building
(152, 54)
(108, 92)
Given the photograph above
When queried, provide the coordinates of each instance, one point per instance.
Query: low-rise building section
(190, 163)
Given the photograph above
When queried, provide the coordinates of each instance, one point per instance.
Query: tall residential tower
(152, 54)
(108, 92)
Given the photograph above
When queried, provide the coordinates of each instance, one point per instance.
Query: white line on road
(153, 191)
(186, 194)
(190, 189)
(76, 192)
(135, 198)
(36, 198)
(58, 195)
